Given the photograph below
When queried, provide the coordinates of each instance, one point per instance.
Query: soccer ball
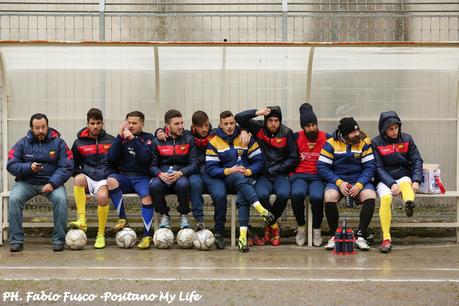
(126, 238)
(76, 239)
(163, 238)
(185, 238)
(203, 240)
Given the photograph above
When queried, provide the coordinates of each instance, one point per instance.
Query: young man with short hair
(131, 155)
(237, 165)
(173, 161)
(91, 170)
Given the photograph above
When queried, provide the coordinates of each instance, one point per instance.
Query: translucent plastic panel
(417, 82)
(64, 82)
(420, 84)
(232, 78)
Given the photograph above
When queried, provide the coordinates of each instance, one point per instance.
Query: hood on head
(386, 119)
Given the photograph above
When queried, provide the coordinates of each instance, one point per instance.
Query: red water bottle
(339, 239)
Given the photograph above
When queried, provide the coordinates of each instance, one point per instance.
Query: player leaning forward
(398, 170)
(91, 171)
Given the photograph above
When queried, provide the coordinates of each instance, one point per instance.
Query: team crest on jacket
(239, 152)
(357, 155)
(182, 147)
(311, 145)
(52, 154)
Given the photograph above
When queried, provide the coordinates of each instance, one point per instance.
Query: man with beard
(173, 161)
(398, 170)
(41, 163)
(347, 165)
(237, 165)
(281, 156)
(305, 179)
(130, 153)
(91, 170)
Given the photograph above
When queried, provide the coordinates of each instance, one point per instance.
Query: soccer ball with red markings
(76, 239)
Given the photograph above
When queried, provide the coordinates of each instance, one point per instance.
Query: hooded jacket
(90, 154)
(180, 153)
(397, 157)
(201, 144)
(225, 151)
(132, 157)
(339, 161)
(52, 152)
(279, 149)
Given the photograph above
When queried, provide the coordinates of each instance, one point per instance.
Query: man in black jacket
(173, 161)
(281, 157)
(398, 170)
(91, 171)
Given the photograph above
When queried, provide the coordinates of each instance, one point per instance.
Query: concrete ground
(414, 274)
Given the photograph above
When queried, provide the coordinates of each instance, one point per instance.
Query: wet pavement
(286, 275)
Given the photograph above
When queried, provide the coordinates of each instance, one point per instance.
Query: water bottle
(338, 241)
(349, 241)
(170, 171)
(349, 199)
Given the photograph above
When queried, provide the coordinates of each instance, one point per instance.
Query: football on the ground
(163, 238)
(203, 240)
(76, 239)
(126, 238)
(185, 238)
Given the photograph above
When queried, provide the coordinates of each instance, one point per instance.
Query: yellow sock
(80, 201)
(407, 191)
(102, 214)
(259, 208)
(385, 215)
(275, 226)
(243, 233)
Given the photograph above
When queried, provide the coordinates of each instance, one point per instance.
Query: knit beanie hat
(307, 115)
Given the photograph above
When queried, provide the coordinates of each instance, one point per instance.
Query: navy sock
(147, 216)
(117, 198)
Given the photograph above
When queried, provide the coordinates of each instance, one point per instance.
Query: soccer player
(237, 165)
(173, 161)
(305, 179)
(90, 151)
(398, 170)
(131, 155)
(347, 165)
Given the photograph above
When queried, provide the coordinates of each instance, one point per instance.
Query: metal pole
(156, 101)
(284, 20)
(309, 76)
(101, 20)
(4, 97)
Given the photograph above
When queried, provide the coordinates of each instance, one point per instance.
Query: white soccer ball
(76, 239)
(203, 240)
(163, 238)
(185, 238)
(126, 238)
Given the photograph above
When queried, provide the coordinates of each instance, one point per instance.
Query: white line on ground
(220, 268)
(347, 280)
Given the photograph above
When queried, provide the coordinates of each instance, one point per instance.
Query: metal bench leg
(309, 214)
(457, 219)
(233, 220)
